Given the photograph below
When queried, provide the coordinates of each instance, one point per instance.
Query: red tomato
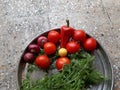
(90, 44)
(49, 48)
(53, 36)
(79, 35)
(60, 62)
(42, 61)
(72, 47)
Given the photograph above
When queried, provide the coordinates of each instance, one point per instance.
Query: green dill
(41, 51)
(78, 75)
(32, 67)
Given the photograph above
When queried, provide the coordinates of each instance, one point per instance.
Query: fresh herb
(78, 75)
(41, 51)
(31, 68)
(53, 57)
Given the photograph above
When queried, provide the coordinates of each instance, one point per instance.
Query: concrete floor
(22, 20)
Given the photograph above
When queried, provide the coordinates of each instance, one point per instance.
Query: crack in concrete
(108, 16)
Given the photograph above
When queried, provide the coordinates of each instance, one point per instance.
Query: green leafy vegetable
(32, 68)
(78, 75)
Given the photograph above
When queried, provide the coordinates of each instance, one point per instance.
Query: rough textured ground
(22, 20)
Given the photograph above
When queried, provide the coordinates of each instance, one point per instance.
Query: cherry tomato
(42, 61)
(53, 36)
(49, 48)
(60, 62)
(90, 44)
(72, 47)
(79, 35)
(62, 52)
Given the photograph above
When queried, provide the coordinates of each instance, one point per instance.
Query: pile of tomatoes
(50, 44)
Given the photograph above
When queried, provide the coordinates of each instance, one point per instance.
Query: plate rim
(110, 63)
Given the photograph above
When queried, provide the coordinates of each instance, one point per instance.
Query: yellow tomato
(62, 52)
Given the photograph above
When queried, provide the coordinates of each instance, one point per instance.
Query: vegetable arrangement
(68, 51)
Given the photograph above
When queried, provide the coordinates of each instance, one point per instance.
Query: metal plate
(102, 64)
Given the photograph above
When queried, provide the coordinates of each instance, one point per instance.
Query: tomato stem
(67, 21)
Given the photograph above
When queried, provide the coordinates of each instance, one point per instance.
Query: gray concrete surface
(22, 20)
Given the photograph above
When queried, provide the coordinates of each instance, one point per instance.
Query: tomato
(62, 52)
(53, 36)
(42, 61)
(49, 48)
(79, 35)
(72, 47)
(60, 62)
(90, 44)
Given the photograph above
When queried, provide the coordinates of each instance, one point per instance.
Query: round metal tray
(102, 64)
